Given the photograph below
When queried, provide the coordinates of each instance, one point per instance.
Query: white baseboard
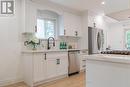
(49, 81)
(10, 81)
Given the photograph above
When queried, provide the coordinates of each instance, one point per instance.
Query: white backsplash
(43, 42)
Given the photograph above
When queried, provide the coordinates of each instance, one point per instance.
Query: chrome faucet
(48, 42)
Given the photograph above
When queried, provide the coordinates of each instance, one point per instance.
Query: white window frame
(125, 40)
(55, 29)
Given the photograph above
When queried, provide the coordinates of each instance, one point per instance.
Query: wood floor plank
(73, 81)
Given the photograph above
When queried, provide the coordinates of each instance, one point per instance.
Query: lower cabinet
(51, 68)
(39, 67)
(61, 68)
(83, 62)
(44, 67)
(57, 64)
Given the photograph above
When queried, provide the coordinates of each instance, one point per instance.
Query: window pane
(45, 28)
(128, 39)
(40, 28)
(50, 28)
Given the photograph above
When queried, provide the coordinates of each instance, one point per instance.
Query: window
(127, 38)
(46, 28)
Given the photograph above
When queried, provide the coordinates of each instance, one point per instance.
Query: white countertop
(109, 58)
(46, 51)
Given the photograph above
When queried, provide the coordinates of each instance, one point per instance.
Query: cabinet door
(72, 24)
(50, 65)
(30, 16)
(50, 68)
(33, 18)
(78, 25)
(62, 65)
(68, 23)
(57, 64)
(28, 68)
(39, 67)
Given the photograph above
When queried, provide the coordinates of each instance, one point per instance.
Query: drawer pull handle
(83, 60)
(45, 56)
(84, 66)
(58, 61)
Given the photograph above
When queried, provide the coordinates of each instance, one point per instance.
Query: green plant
(32, 43)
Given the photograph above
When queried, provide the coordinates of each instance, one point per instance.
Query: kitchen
(44, 41)
(51, 53)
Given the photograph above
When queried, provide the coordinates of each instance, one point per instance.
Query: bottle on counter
(65, 45)
(60, 45)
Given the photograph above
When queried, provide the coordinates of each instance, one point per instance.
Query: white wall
(84, 31)
(10, 62)
(99, 19)
(47, 14)
(101, 23)
(116, 38)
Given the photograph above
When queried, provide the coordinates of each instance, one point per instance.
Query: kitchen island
(108, 70)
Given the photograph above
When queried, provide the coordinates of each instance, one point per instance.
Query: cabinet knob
(35, 28)
(57, 61)
(45, 56)
(76, 33)
(84, 60)
(64, 32)
(84, 66)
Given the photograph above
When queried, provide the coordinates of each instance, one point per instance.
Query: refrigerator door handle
(98, 41)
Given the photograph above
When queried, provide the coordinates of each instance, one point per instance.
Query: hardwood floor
(73, 81)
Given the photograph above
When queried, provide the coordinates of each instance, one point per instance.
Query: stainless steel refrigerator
(95, 40)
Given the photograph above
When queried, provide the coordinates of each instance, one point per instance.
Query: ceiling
(121, 15)
(80, 5)
(96, 6)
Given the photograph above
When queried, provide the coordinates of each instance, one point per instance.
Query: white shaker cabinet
(57, 64)
(83, 62)
(51, 68)
(44, 67)
(39, 67)
(71, 25)
(29, 20)
(62, 64)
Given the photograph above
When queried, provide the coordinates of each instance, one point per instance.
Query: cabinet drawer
(57, 55)
(85, 57)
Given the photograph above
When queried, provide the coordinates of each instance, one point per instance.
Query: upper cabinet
(96, 20)
(54, 24)
(71, 25)
(29, 20)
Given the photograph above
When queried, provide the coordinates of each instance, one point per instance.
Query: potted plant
(33, 42)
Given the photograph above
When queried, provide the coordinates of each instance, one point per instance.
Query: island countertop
(109, 58)
(108, 70)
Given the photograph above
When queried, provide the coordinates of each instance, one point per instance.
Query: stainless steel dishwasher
(74, 66)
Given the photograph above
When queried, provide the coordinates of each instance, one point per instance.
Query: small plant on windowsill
(33, 42)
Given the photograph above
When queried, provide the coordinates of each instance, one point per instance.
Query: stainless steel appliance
(74, 66)
(95, 40)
